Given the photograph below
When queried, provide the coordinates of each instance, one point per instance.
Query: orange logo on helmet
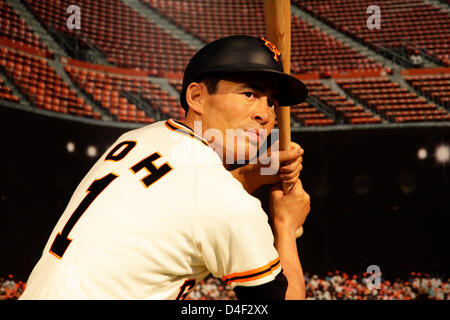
(272, 48)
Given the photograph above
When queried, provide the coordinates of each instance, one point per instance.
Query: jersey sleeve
(234, 234)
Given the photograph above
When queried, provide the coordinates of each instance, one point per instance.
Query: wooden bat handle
(278, 26)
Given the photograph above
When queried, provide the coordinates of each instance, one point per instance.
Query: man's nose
(261, 111)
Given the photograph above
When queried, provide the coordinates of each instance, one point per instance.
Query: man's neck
(191, 123)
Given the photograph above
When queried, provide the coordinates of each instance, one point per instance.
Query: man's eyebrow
(257, 87)
(252, 86)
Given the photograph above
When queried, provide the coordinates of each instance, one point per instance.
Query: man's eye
(249, 94)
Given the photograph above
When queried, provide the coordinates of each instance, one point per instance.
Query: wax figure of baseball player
(159, 211)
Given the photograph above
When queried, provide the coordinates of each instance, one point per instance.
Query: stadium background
(377, 97)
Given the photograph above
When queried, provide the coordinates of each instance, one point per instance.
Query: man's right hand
(289, 210)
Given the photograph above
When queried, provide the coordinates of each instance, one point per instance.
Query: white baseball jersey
(155, 215)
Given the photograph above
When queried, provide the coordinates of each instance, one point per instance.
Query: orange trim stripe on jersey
(253, 274)
(183, 129)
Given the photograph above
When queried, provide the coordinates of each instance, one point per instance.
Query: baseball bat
(278, 27)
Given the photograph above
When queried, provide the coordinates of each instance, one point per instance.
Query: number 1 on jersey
(62, 241)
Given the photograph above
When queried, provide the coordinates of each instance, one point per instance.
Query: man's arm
(288, 212)
(286, 245)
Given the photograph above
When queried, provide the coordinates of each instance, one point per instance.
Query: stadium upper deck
(144, 62)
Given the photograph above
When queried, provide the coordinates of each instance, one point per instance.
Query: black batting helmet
(243, 54)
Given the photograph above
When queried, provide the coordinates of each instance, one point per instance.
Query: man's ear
(195, 96)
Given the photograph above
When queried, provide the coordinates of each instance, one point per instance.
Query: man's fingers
(289, 155)
(284, 157)
(293, 167)
(288, 177)
(293, 161)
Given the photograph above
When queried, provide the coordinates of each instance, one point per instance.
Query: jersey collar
(181, 128)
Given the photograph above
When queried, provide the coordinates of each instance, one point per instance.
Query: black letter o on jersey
(117, 157)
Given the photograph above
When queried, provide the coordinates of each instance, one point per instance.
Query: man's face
(243, 110)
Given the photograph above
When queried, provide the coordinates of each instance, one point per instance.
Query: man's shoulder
(184, 147)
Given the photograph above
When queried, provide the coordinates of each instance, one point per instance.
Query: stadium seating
(176, 84)
(110, 90)
(436, 87)
(125, 37)
(6, 94)
(308, 115)
(41, 85)
(211, 20)
(393, 102)
(338, 105)
(135, 44)
(406, 25)
(12, 27)
(312, 49)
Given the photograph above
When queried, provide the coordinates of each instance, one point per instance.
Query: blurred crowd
(341, 286)
(10, 289)
(334, 286)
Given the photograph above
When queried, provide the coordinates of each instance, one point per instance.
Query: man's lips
(253, 134)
